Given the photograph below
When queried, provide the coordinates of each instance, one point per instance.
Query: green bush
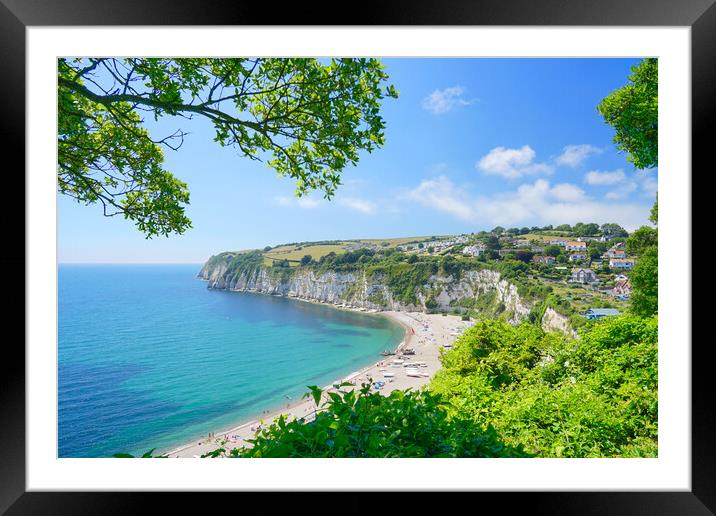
(360, 423)
(403, 279)
(557, 396)
(644, 279)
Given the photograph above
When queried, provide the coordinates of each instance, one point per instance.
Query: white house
(621, 263)
(577, 257)
(583, 276)
(474, 250)
(575, 246)
(616, 253)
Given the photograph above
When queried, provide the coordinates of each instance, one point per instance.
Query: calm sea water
(149, 357)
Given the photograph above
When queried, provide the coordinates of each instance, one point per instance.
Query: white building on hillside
(576, 246)
(621, 263)
(615, 253)
(583, 276)
(474, 250)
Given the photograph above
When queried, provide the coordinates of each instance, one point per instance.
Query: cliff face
(554, 321)
(329, 287)
(478, 289)
(497, 295)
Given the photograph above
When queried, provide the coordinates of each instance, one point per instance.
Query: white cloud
(599, 178)
(301, 202)
(536, 203)
(305, 202)
(622, 191)
(308, 203)
(575, 155)
(567, 192)
(643, 181)
(442, 101)
(360, 205)
(441, 194)
(512, 163)
(648, 182)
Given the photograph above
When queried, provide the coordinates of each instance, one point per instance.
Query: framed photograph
(431, 242)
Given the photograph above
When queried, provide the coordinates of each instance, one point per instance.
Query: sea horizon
(130, 263)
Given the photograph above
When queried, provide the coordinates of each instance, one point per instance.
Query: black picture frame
(17, 15)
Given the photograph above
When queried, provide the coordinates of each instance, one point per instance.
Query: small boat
(387, 353)
(413, 372)
(388, 374)
(409, 351)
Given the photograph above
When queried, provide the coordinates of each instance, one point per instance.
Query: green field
(545, 238)
(393, 242)
(294, 253)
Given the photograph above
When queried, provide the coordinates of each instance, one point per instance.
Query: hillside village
(586, 264)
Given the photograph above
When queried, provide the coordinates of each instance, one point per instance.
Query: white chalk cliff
(357, 289)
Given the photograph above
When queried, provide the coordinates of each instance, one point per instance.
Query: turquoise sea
(150, 358)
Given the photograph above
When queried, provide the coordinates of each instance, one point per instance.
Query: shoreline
(429, 331)
(273, 413)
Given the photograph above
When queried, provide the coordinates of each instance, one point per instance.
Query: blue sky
(470, 144)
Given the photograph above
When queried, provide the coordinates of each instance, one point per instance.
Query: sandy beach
(426, 334)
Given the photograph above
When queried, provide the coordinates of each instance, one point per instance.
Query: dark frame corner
(17, 15)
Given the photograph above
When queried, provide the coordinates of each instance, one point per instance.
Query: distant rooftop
(604, 312)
